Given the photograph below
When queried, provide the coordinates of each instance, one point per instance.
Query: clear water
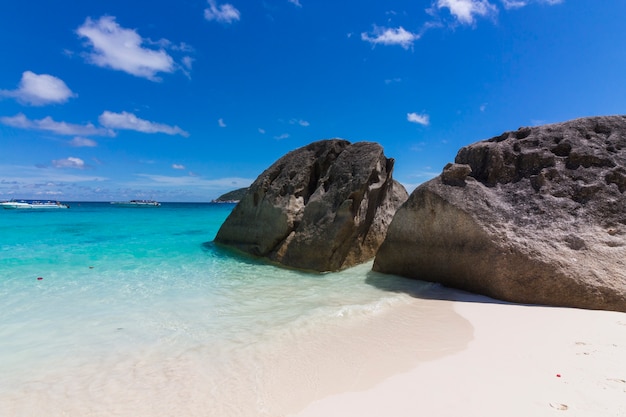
(138, 313)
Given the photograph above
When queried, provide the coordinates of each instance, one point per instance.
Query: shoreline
(430, 351)
(354, 355)
(522, 361)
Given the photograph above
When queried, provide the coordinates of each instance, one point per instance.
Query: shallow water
(138, 313)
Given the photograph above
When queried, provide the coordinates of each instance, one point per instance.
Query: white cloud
(167, 44)
(465, 11)
(190, 180)
(295, 2)
(178, 166)
(422, 119)
(28, 176)
(393, 80)
(225, 13)
(221, 123)
(283, 136)
(128, 121)
(418, 147)
(300, 122)
(59, 128)
(73, 184)
(121, 49)
(39, 90)
(70, 162)
(262, 131)
(514, 4)
(462, 11)
(80, 142)
(187, 62)
(390, 36)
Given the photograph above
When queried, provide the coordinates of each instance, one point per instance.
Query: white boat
(137, 203)
(33, 204)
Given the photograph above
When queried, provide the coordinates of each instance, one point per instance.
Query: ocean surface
(112, 311)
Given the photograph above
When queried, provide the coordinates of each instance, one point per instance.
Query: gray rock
(539, 217)
(323, 207)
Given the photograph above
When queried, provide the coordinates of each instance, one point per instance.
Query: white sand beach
(451, 354)
(521, 361)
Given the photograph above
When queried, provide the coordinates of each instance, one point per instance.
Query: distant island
(232, 196)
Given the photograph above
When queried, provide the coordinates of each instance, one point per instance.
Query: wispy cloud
(393, 80)
(69, 162)
(40, 89)
(225, 13)
(283, 136)
(187, 62)
(514, 4)
(80, 142)
(390, 36)
(122, 49)
(128, 121)
(422, 119)
(21, 180)
(295, 2)
(189, 180)
(108, 120)
(31, 176)
(300, 122)
(221, 123)
(60, 128)
(68, 180)
(418, 147)
(178, 166)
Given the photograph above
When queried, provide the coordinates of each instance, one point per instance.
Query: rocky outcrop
(323, 207)
(535, 216)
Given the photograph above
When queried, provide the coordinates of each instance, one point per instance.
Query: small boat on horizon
(137, 203)
(33, 204)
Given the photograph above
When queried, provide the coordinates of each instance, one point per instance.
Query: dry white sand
(522, 361)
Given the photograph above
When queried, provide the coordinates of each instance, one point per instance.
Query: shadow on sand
(424, 289)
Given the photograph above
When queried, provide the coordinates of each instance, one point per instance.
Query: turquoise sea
(111, 311)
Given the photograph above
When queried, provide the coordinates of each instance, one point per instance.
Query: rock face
(323, 207)
(535, 216)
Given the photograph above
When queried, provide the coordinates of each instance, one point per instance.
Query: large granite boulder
(535, 216)
(323, 207)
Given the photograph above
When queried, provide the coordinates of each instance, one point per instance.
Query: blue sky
(185, 100)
